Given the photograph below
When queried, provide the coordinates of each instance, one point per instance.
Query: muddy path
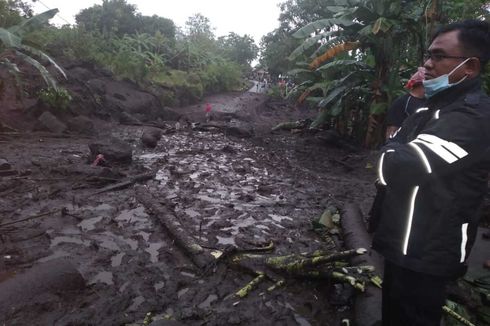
(223, 190)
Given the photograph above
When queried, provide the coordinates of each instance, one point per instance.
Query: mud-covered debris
(290, 125)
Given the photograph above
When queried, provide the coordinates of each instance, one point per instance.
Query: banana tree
(362, 30)
(12, 38)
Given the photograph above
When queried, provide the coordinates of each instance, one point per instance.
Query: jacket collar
(453, 93)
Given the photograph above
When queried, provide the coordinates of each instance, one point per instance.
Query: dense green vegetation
(350, 58)
(148, 50)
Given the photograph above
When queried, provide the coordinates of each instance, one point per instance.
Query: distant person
(208, 112)
(407, 104)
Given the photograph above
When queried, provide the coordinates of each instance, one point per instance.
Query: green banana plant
(12, 37)
(358, 42)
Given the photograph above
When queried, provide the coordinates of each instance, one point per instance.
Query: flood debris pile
(181, 229)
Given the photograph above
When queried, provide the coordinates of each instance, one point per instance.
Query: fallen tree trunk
(198, 255)
(54, 277)
(367, 304)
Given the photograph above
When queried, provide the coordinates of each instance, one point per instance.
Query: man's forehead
(447, 42)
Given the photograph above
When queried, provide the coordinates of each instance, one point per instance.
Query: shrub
(56, 98)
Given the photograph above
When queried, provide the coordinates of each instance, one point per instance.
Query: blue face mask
(436, 85)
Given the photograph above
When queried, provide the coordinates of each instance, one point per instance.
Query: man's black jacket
(435, 171)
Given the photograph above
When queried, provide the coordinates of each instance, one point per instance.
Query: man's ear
(473, 67)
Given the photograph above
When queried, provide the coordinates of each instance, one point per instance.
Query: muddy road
(226, 183)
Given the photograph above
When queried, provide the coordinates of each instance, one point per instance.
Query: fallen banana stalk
(358, 269)
(457, 316)
(357, 284)
(300, 263)
(243, 292)
(276, 285)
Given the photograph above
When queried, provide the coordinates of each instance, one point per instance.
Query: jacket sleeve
(449, 143)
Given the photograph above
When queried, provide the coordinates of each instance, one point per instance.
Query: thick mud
(223, 190)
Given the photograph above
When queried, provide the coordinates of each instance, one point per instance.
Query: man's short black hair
(474, 35)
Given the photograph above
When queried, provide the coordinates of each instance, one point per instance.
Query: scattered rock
(52, 123)
(4, 165)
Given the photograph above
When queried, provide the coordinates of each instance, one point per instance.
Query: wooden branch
(124, 184)
(30, 218)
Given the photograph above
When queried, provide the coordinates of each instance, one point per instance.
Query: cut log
(197, 254)
(367, 304)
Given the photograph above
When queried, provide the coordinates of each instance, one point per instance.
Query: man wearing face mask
(435, 176)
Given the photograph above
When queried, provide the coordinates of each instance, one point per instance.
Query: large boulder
(55, 277)
(52, 123)
(150, 137)
(123, 96)
(113, 150)
(81, 125)
(239, 128)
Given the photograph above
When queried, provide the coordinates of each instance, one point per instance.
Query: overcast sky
(253, 17)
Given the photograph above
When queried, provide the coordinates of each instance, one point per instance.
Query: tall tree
(240, 49)
(12, 12)
(113, 17)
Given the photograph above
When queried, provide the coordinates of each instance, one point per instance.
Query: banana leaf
(332, 96)
(321, 24)
(382, 24)
(8, 39)
(298, 71)
(50, 81)
(44, 56)
(342, 64)
(330, 43)
(308, 43)
(33, 23)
